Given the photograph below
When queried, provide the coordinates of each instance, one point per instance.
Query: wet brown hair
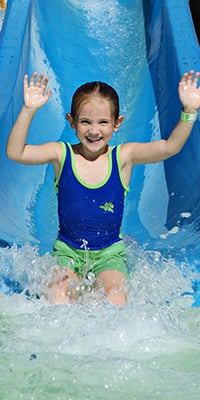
(2, 4)
(90, 89)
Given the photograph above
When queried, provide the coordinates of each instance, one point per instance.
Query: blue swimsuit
(87, 213)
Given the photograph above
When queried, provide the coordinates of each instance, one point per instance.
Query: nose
(94, 129)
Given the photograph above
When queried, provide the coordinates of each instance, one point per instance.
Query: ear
(71, 120)
(118, 122)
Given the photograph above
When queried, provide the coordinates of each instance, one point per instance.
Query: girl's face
(95, 124)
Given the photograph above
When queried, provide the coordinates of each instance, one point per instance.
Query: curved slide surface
(141, 49)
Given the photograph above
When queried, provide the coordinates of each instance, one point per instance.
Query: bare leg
(114, 286)
(59, 287)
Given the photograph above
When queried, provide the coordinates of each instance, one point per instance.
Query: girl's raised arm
(142, 153)
(36, 95)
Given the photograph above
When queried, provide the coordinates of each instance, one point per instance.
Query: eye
(84, 122)
(104, 122)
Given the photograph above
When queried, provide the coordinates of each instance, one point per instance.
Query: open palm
(189, 92)
(36, 93)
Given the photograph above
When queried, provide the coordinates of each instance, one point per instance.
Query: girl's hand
(36, 94)
(189, 93)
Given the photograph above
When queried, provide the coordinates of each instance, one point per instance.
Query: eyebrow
(83, 119)
(99, 120)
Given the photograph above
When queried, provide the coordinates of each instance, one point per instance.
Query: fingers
(186, 78)
(26, 81)
(32, 80)
(40, 82)
(196, 77)
(190, 78)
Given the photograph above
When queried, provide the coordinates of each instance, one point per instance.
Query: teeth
(93, 139)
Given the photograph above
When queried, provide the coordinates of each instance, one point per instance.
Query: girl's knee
(117, 296)
(114, 284)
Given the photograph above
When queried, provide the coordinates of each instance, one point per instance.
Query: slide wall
(142, 49)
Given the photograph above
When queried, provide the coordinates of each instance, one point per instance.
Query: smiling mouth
(94, 139)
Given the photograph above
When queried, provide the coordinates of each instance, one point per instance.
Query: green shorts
(96, 261)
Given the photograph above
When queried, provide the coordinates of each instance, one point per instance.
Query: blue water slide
(142, 49)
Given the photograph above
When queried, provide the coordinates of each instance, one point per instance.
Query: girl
(92, 178)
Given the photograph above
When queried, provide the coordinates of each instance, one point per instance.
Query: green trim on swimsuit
(64, 153)
(84, 183)
(126, 188)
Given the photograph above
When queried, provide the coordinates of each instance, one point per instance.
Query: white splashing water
(92, 350)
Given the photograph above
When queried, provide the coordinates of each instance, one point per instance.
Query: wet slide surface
(140, 49)
(91, 350)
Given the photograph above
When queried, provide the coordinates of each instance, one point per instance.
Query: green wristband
(186, 117)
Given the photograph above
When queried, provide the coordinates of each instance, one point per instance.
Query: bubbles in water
(23, 269)
(115, 348)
